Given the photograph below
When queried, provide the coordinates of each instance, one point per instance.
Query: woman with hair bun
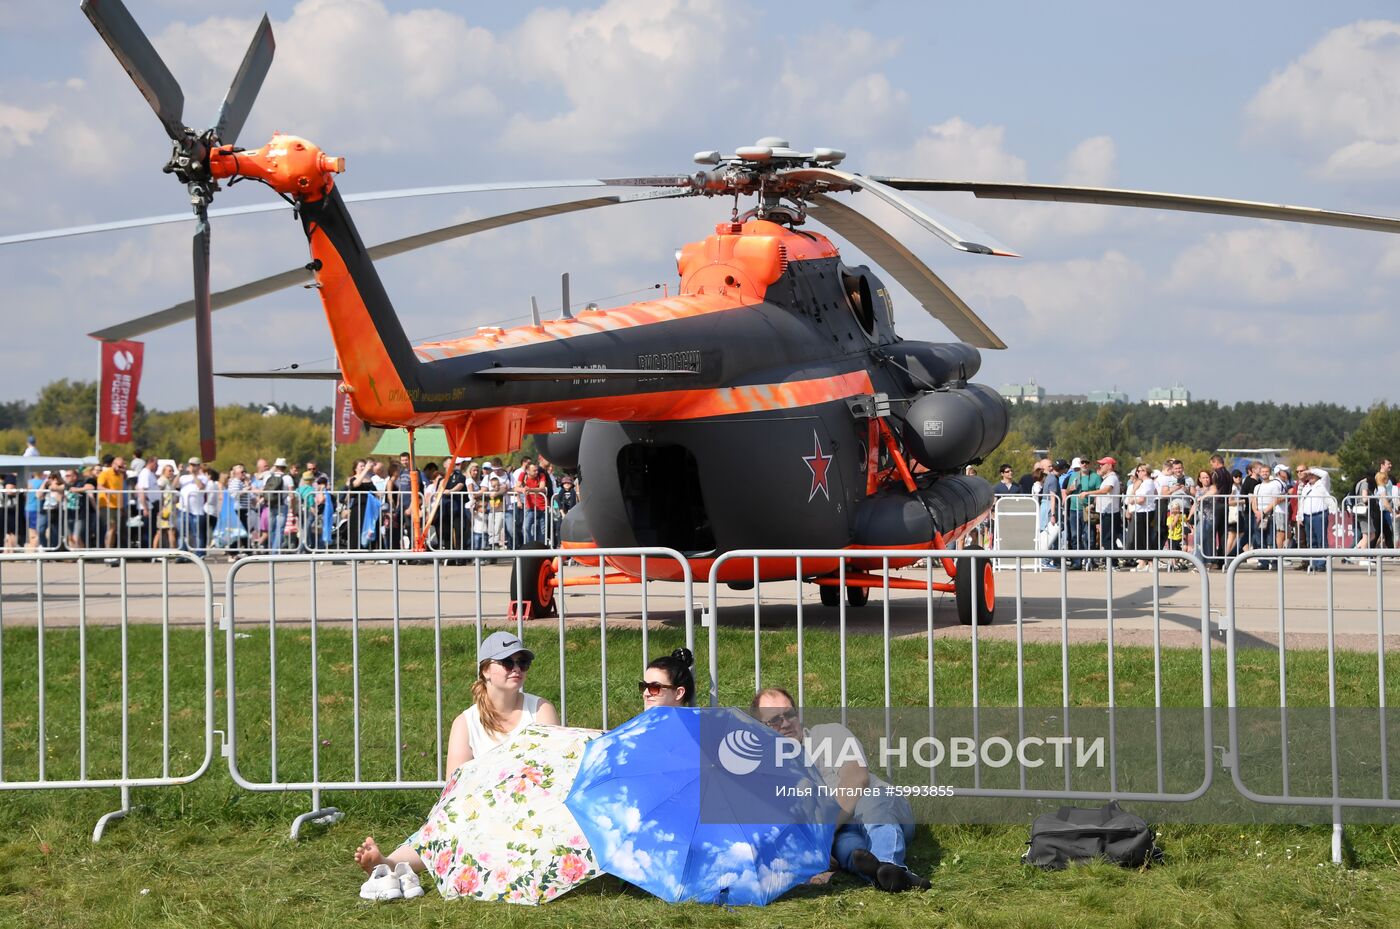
(669, 680)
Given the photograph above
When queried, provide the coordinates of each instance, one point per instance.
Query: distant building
(1022, 393)
(1102, 397)
(1168, 396)
(1064, 398)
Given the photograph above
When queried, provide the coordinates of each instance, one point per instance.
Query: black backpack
(1072, 834)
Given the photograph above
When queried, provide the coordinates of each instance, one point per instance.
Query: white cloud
(20, 127)
(1339, 102)
(831, 82)
(959, 150)
(1087, 300)
(1267, 265)
(624, 69)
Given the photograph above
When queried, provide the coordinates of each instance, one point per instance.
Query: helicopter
(775, 359)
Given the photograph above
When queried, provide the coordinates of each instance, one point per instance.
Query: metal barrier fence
(1216, 527)
(60, 715)
(871, 571)
(328, 750)
(338, 673)
(1318, 730)
(309, 519)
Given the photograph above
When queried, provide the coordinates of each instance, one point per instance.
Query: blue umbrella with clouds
(703, 805)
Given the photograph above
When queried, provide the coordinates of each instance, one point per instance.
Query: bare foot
(820, 879)
(368, 854)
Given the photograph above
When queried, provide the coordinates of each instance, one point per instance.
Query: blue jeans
(277, 524)
(192, 533)
(887, 840)
(481, 541)
(1315, 535)
(535, 525)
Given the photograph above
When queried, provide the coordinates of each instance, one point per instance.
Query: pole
(97, 408)
(420, 542)
(335, 427)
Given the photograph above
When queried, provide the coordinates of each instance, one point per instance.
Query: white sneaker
(408, 881)
(382, 885)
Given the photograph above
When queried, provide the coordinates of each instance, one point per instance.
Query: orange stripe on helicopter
(707, 402)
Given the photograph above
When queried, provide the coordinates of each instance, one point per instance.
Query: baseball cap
(1109, 460)
(1281, 469)
(1077, 463)
(1061, 464)
(500, 645)
(567, 480)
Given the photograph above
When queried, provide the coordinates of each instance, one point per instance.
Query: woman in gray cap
(500, 708)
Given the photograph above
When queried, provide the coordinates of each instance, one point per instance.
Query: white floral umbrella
(500, 830)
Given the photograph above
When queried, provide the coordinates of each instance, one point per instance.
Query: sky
(1286, 102)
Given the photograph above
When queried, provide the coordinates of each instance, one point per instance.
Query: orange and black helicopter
(774, 357)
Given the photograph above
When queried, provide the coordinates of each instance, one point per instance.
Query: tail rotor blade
(141, 61)
(204, 344)
(246, 84)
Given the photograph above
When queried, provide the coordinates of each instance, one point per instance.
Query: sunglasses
(652, 688)
(780, 719)
(511, 663)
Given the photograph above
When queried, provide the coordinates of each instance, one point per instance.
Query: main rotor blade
(936, 297)
(140, 59)
(1151, 200)
(658, 181)
(269, 285)
(204, 339)
(246, 84)
(905, 206)
(288, 375)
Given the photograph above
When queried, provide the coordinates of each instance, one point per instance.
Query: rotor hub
(769, 169)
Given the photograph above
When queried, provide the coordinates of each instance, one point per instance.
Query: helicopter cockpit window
(860, 299)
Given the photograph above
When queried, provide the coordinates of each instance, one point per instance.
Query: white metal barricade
(455, 603)
(872, 570)
(1323, 736)
(81, 696)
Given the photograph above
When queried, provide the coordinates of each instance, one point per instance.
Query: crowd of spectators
(1085, 504)
(148, 502)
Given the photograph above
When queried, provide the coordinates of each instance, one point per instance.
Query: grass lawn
(211, 854)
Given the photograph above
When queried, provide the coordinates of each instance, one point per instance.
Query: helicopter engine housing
(947, 428)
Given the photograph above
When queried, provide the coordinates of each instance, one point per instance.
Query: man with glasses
(873, 831)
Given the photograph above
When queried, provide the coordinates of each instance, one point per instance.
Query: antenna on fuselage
(535, 311)
(565, 282)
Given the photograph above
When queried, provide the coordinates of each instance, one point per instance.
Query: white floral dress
(500, 830)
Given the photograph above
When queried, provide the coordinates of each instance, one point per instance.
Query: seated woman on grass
(669, 681)
(500, 708)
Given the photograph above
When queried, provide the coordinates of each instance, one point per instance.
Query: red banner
(347, 424)
(121, 376)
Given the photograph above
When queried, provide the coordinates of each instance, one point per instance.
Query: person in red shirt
(535, 487)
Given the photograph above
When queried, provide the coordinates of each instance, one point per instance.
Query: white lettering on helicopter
(669, 361)
(579, 382)
(933, 427)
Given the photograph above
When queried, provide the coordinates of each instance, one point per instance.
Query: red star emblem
(818, 464)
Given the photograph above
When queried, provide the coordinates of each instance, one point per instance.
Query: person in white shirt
(1314, 503)
(192, 486)
(148, 498)
(1141, 499)
(1109, 505)
(1269, 506)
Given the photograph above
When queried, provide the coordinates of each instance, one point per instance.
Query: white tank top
(482, 741)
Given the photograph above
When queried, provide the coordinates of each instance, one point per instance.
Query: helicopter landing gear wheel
(986, 590)
(530, 579)
(855, 596)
